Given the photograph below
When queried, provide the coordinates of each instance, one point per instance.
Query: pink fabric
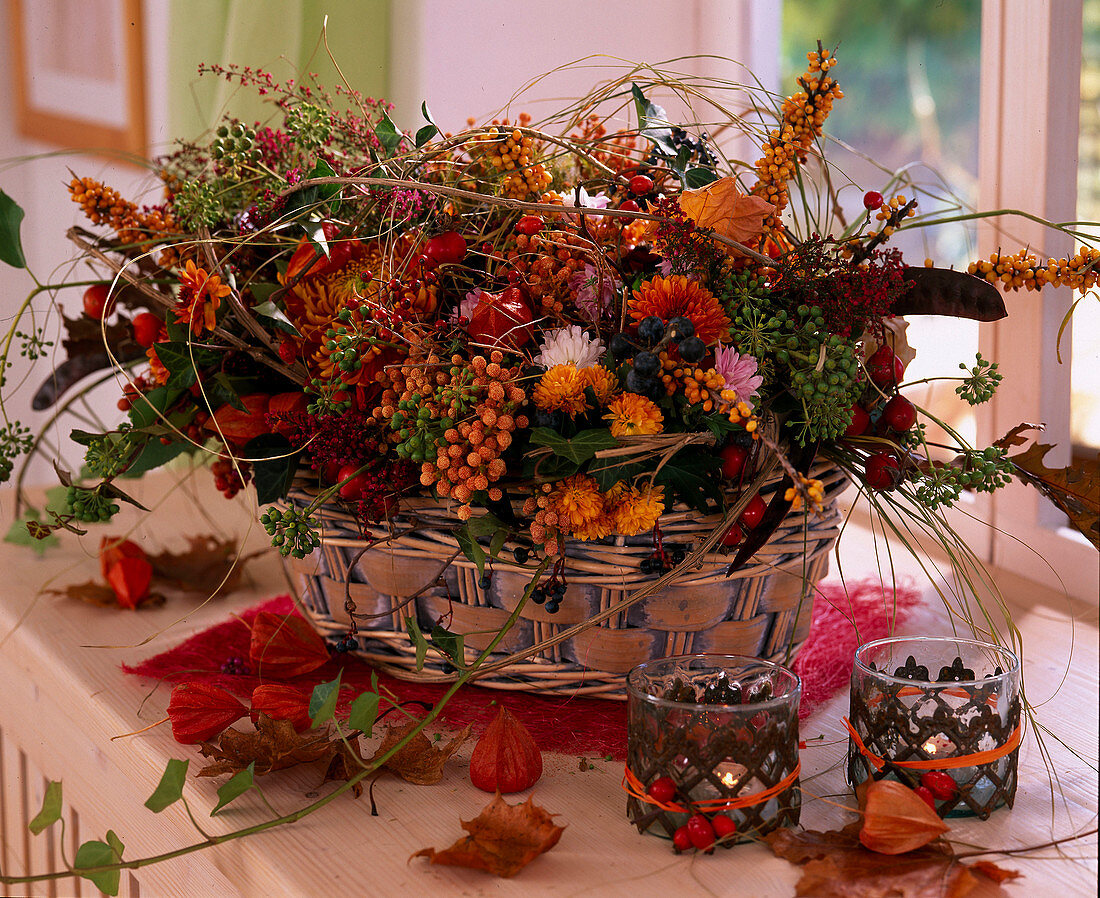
(576, 726)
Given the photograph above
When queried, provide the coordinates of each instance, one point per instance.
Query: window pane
(1085, 370)
(909, 71)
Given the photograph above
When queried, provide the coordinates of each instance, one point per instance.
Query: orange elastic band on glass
(633, 786)
(952, 763)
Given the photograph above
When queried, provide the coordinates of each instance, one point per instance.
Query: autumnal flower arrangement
(563, 332)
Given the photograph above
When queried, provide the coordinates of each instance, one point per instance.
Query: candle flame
(930, 747)
(728, 779)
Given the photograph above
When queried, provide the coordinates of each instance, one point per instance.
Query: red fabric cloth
(576, 726)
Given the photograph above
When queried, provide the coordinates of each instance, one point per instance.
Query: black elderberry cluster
(346, 644)
(653, 334)
(549, 596)
(662, 560)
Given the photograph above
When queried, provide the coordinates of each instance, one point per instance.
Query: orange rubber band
(633, 787)
(952, 763)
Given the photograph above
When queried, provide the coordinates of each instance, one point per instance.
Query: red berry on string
(885, 368)
(681, 839)
(860, 422)
(899, 414)
(630, 206)
(641, 185)
(95, 301)
(872, 199)
(146, 329)
(925, 795)
(662, 789)
(700, 831)
(288, 352)
(723, 825)
(883, 471)
(733, 536)
(941, 784)
(753, 513)
(733, 460)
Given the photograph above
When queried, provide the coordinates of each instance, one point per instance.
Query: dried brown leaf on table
(346, 761)
(503, 839)
(990, 870)
(203, 566)
(419, 762)
(103, 596)
(835, 865)
(1075, 490)
(274, 745)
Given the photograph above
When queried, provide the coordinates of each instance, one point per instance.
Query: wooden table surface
(63, 698)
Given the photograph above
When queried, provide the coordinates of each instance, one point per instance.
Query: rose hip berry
(925, 795)
(446, 248)
(146, 329)
(733, 536)
(860, 422)
(733, 460)
(941, 784)
(95, 301)
(753, 513)
(872, 199)
(641, 185)
(630, 206)
(899, 414)
(662, 789)
(723, 825)
(883, 471)
(529, 225)
(885, 368)
(681, 839)
(701, 831)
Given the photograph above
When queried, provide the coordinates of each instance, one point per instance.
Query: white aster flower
(569, 346)
(599, 201)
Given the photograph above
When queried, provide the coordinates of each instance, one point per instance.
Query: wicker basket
(763, 609)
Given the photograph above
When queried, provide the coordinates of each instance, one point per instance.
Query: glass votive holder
(941, 713)
(720, 735)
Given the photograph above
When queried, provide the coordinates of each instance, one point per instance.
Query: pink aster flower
(592, 292)
(739, 372)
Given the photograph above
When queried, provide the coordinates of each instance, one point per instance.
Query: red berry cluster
(897, 417)
(230, 479)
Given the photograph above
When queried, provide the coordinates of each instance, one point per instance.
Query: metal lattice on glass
(915, 701)
(723, 727)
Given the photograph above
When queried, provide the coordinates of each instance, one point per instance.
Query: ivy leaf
(418, 640)
(144, 411)
(470, 548)
(387, 134)
(11, 245)
(496, 544)
(153, 455)
(19, 533)
(51, 809)
(577, 449)
(235, 787)
(274, 462)
(653, 123)
(364, 709)
(697, 177)
(322, 704)
(184, 361)
(271, 313)
(100, 854)
(685, 475)
(450, 644)
(170, 788)
(428, 131)
(610, 473)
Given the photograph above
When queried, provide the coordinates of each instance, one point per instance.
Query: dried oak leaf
(502, 840)
(419, 762)
(1075, 490)
(835, 865)
(346, 761)
(203, 566)
(274, 745)
(727, 211)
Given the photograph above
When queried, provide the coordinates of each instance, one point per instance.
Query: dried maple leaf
(503, 839)
(418, 762)
(727, 211)
(102, 596)
(208, 566)
(274, 745)
(835, 865)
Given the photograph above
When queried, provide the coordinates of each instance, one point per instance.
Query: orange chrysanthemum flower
(676, 295)
(199, 298)
(578, 504)
(632, 511)
(561, 389)
(633, 415)
(603, 383)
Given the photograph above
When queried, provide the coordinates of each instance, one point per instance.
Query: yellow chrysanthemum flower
(577, 501)
(633, 511)
(634, 415)
(603, 383)
(561, 389)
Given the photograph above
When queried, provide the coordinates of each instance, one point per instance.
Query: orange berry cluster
(546, 262)
(470, 462)
(786, 146)
(706, 388)
(511, 151)
(889, 212)
(808, 489)
(1022, 271)
(104, 205)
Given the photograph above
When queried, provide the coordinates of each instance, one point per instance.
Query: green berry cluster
(234, 148)
(982, 383)
(15, 440)
(108, 455)
(196, 204)
(90, 506)
(823, 375)
(34, 345)
(420, 433)
(309, 125)
(292, 532)
(983, 470)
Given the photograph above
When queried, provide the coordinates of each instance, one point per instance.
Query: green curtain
(280, 36)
